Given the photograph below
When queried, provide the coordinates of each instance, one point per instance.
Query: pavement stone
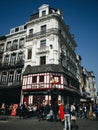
(14, 123)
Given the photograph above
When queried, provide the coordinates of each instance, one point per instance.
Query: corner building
(50, 59)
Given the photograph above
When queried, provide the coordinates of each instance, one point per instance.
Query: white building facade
(49, 46)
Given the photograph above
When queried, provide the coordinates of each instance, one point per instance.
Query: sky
(80, 15)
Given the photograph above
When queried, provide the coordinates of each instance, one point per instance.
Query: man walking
(67, 117)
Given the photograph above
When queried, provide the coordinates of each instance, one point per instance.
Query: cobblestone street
(32, 123)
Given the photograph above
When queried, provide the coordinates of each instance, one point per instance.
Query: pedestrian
(24, 110)
(47, 109)
(21, 111)
(61, 112)
(41, 112)
(84, 111)
(73, 108)
(55, 109)
(3, 109)
(67, 117)
(74, 125)
(96, 110)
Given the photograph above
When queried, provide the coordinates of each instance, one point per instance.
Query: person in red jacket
(61, 112)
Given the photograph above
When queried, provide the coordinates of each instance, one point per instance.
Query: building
(11, 65)
(89, 90)
(38, 61)
(50, 58)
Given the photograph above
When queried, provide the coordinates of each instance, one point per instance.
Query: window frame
(41, 78)
(44, 13)
(29, 54)
(42, 60)
(43, 43)
(34, 79)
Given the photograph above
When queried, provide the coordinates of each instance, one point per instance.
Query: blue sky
(80, 15)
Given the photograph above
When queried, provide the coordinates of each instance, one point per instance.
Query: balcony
(12, 84)
(14, 47)
(3, 84)
(42, 50)
(1, 51)
(19, 63)
(42, 33)
(14, 64)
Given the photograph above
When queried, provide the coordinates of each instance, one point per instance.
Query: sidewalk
(6, 117)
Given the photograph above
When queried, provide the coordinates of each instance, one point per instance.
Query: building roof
(43, 69)
(2, 37)
(36, 15)
(48, 68)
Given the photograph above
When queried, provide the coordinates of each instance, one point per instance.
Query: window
(15, 45)
(68, 82)
(56, 79)
(18, 75)
(29, 53)
(11, 76)
(43, 29)
(30, 31)
(0, 60)
(43, 43)
(4, 77)
(1, 47)
(16, 29)
(42, 60)
(6, 59)
(41, 78)
(34, 79)
(21, 43)
(8, 46)
(43, 12)
(13, 58)
(20, 56)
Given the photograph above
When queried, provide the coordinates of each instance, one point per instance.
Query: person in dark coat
(47, 109)
(55, 109)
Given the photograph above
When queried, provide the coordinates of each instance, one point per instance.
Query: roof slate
(43, 69)
(48, 68)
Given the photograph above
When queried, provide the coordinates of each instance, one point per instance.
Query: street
(33, 123)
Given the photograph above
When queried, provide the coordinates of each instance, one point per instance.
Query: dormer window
(44, 13)
(43, 10)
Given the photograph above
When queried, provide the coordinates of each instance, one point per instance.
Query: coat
(61, 112)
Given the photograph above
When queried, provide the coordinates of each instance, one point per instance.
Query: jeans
(67, 122)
